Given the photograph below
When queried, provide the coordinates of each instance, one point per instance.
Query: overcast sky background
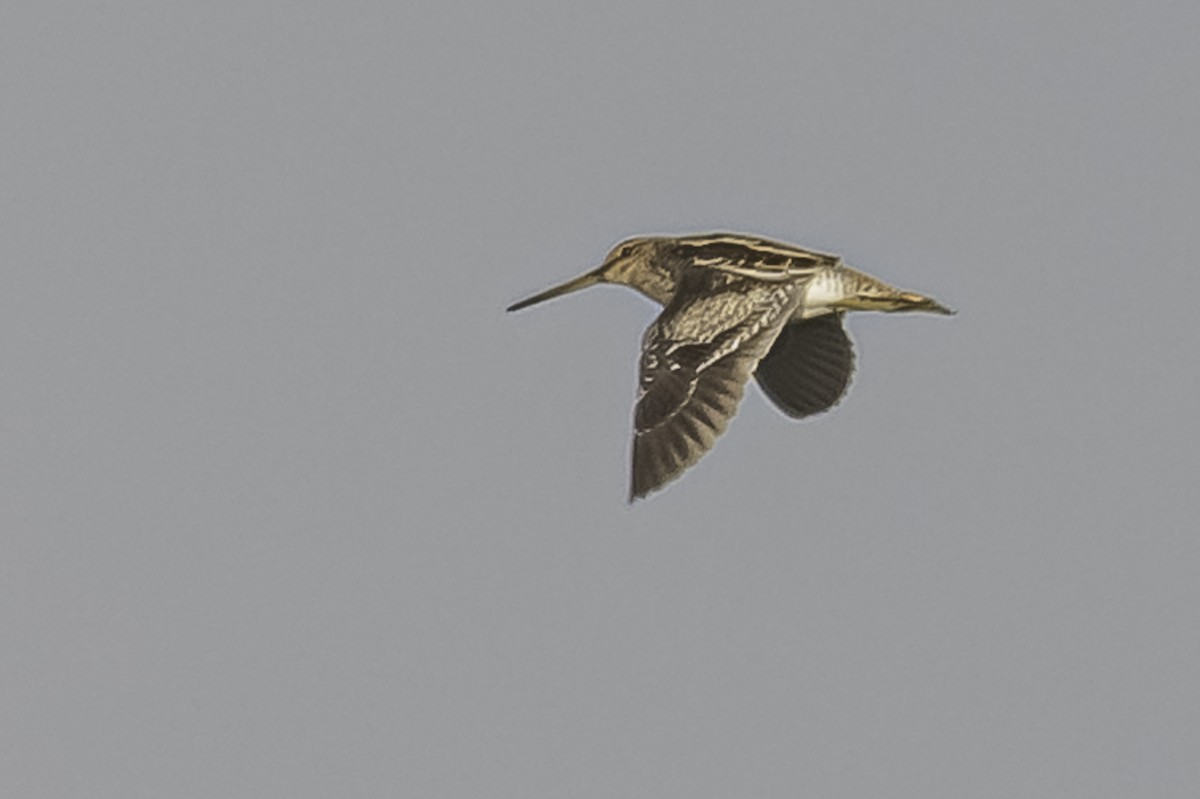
(289, 506)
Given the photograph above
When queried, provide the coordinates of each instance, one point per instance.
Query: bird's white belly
(821, 294)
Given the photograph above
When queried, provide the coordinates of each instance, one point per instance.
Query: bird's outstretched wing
(808, 367)
(696, 359)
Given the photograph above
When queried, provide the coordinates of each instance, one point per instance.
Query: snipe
(734, 306)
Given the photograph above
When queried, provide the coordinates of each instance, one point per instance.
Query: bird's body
(733, 306)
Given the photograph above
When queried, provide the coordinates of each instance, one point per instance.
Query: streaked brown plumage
(733, 306)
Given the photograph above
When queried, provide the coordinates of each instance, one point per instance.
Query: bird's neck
(654, 278)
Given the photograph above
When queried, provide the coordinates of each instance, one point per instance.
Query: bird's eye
(624, 253)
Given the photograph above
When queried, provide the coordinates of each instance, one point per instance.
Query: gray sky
(291, 507)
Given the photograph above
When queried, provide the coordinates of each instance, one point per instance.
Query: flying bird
(733, 306)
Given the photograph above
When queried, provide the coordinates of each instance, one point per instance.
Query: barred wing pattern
(696, 359)
(808, 367)
(771, 261)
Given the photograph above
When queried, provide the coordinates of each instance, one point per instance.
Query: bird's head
(623, 260)
(629, 256)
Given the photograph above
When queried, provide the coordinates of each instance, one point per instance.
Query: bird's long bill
(581, 282)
